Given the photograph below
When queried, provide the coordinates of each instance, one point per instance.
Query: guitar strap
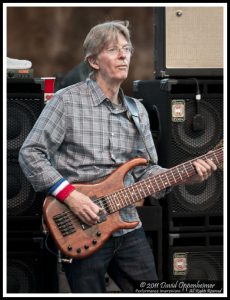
(132, 107)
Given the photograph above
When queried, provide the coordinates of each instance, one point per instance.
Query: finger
(201, 172)
(212, 164)
(199, 168)
(88, 218)
(96, 209)
(85, 218)
(205, 167)
(93, 217)
(204, 164)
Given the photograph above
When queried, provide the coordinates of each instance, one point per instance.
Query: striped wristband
(61, 189)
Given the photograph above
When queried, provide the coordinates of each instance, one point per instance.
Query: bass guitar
(78, 240)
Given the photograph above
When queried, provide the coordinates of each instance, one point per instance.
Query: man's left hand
(204, 169)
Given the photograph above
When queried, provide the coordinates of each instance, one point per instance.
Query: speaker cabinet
(21, 198)
(184, 129)
(189, 41)
(25, 101)
(30, 268)
(195, 256)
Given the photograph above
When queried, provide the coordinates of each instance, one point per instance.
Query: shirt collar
(98, 96)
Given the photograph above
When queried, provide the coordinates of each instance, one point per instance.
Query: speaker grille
(189, 42)
(22, 113)
(197, 142)
(30, 267)
(195, 256)
(25, 102)
(207, 266)
(21, 276)
(21, 198)
(194, 37)
(199, 197)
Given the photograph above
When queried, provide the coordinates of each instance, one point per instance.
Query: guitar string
(190, 168)
(149, 180)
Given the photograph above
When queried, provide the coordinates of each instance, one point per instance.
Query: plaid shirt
(81, 136)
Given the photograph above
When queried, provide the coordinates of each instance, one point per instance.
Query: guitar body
(76, 239)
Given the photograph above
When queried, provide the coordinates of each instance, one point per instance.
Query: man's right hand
(83, 207)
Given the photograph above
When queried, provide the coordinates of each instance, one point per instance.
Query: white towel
(13, 63)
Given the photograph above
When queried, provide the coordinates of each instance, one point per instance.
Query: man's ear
(92, 60)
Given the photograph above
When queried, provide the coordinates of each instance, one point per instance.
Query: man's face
(113, 61)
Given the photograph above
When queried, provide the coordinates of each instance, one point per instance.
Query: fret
(183, 165)
(113, 203)
(118, 205)
(124, 197)
(129, 194)
(133, 194)
(158, 188)
(145, 182)
(190, 169)
(175, 181)
(143, 190)
(123, 201)
(129, 198)
(206, 157)
(168, 177)
(116, 202)
(109, 203)
(152, 181)
(120, 200)
(210, 157)
(166, 182)
(156, 182)
(178, 171)
(216, 158)
(161, 180)
(138, 191)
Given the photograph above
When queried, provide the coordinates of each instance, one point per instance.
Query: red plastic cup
(48, 87)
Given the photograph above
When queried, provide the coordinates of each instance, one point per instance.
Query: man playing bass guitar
(83, 135)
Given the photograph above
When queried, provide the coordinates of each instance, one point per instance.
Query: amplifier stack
(30, 267)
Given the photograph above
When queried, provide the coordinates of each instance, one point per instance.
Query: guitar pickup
(102, 215)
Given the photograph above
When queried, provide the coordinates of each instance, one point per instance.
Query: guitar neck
(156, 183)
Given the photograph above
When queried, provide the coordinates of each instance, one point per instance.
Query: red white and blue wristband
(61, 189)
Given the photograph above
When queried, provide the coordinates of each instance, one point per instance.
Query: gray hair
(102, 34)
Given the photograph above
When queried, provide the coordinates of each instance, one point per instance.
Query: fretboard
(156, 183)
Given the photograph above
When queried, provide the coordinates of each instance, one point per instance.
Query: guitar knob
(79, 250)
(69, 248)
(94, 242)
(98, 233)
(86, 246)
